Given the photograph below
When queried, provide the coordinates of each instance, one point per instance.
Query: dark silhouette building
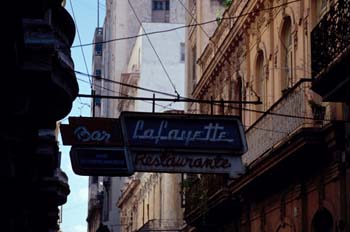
(39, 86)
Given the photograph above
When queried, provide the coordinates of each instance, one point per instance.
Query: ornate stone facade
(261, 50)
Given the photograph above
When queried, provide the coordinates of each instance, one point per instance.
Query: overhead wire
(154, 91)
(184, 26)
(252, 110)
(246, 109)
(113, 91)
(250, 49)
(155, 51)
(78, 33)
(241, 15)
(216, 46)
(127, 85)
(82, 50)
(232, 107)
(138, 87)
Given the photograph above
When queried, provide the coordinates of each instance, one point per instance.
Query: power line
(216, 46)
(215, 102)
(178, 97)
(166, 99)
(267, 112)
(218, 102)
(95, 85)
(81, 47)
(82, 50)
(185, 26)
(128, 85)
(137, 87)
(156, 53)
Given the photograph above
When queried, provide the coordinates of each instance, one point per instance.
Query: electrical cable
(156, 53)
(99, 86)
(205, 33)
(82, 50)
(127, 85)
(259, 111)
(185, 26)
(208, 102)
(233, 107)
(218, 48)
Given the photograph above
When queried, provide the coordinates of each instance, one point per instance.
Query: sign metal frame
(214, 137)
(101, 161)
(188, 163)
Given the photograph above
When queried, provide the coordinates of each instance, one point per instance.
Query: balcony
(330, 45)
(170, 225)
(205, 200)
(288, 136)
(293, 112)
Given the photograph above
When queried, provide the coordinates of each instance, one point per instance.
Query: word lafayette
(209, 133)
(174, 161)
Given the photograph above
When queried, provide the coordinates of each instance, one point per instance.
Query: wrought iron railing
(171, 225)
(286, 116)
(201, 190)
(331, 36)
(290, 113)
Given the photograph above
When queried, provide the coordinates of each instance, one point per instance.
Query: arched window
(240, 94)
(322, 221)
(286, 54)
(260, 79)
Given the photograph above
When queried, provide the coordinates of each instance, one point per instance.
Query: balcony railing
(201, 190)
(289, 114)
(330, 37)
(292, 112)
(162, 225)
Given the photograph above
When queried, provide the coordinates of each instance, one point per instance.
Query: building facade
(122, 20)
(297, 164)
(151, 201)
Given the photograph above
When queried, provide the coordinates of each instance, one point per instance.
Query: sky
(75, 210)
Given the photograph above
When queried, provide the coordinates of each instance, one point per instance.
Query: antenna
(98, 13)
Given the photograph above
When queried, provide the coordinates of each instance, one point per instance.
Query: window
(160, 11)
(160, 5)
(98, 73)
(286, 53)
(167, 5)
(194, 67)
(97, 101)
(105, 206)
(182, 52)
(98, 49)
(260, 80)
(143, 211)
(322, 221)
(147, 212)
(94, 179)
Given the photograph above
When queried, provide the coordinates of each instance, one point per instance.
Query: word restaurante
(176, 161)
